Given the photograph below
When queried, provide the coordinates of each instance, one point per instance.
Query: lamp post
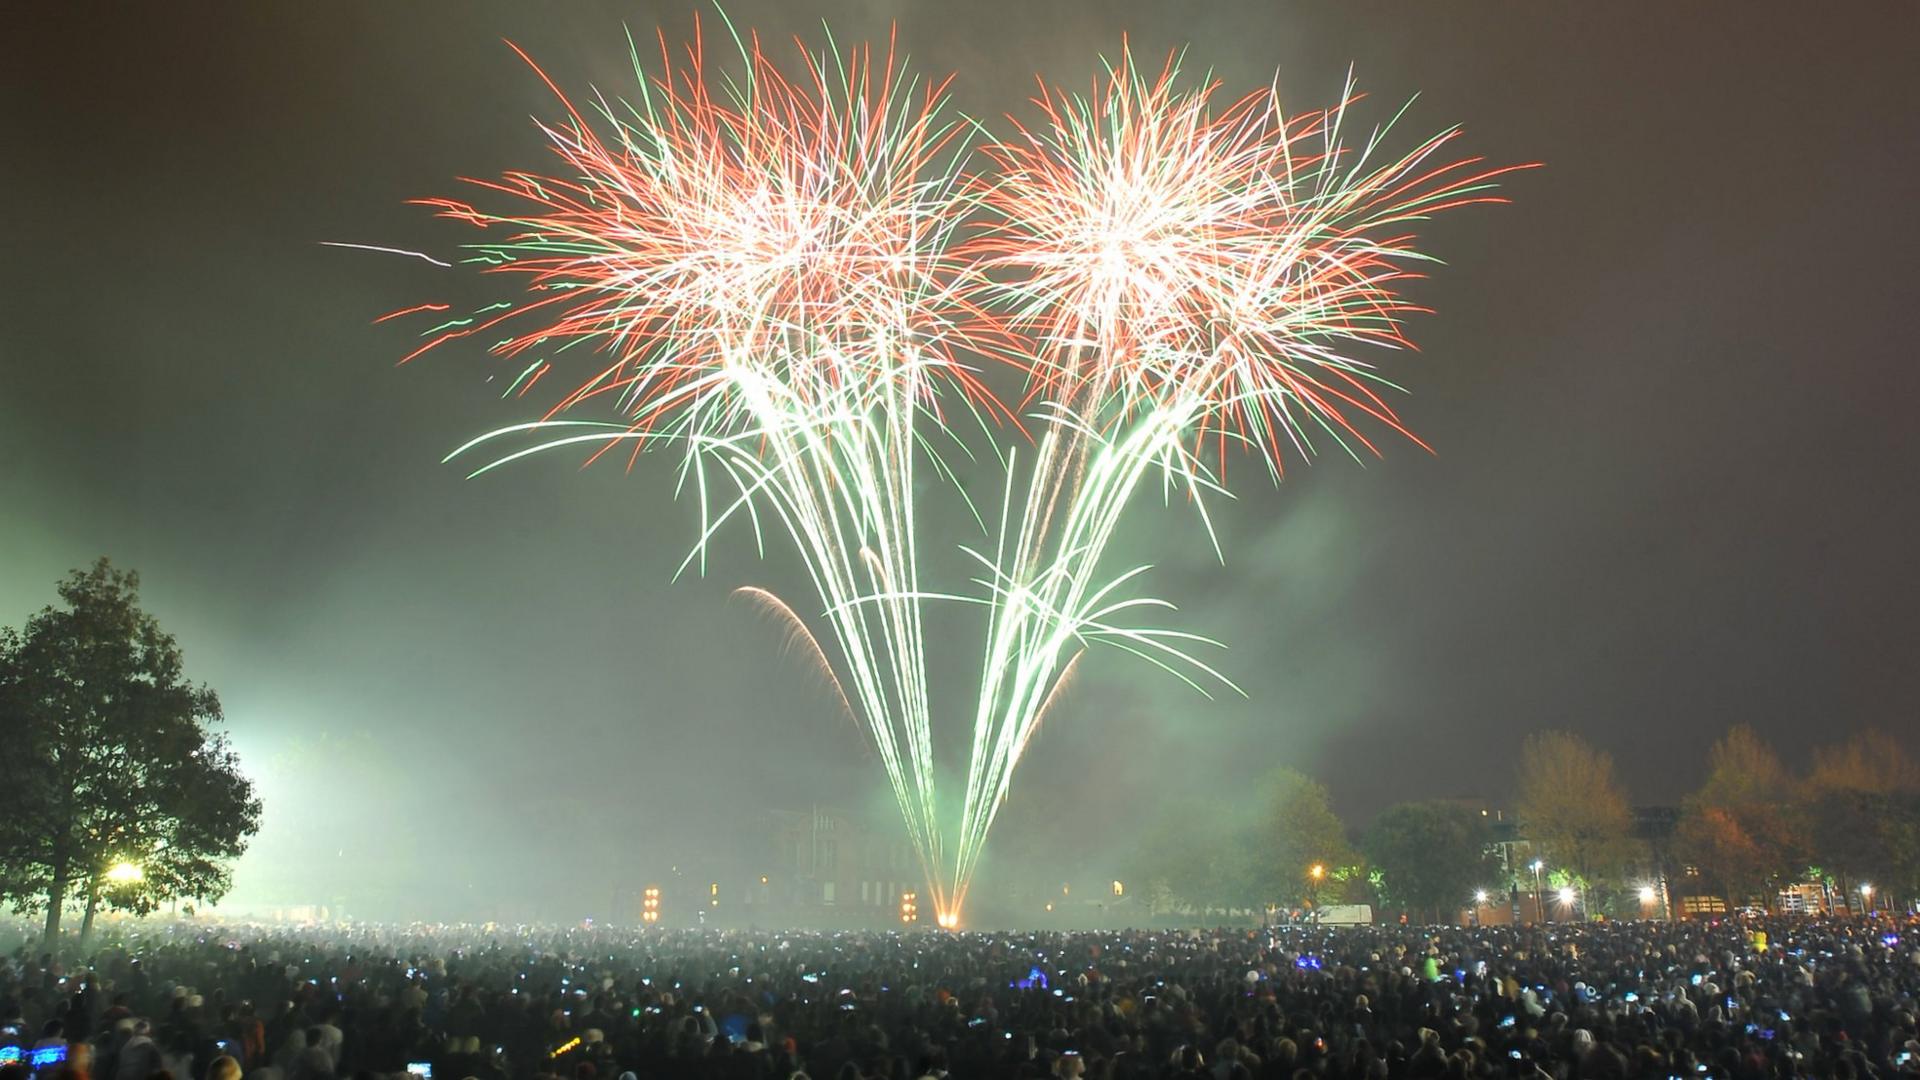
(1539, 893)
(1315, 873)
(1479, 901)
(1866, 897)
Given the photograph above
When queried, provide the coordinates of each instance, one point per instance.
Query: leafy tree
(1740, 828)
(1871, 761)
(1180, 859)
(112, 760)
(1728, 854)
(1862, 803)
(1297, 831)
(1572, 809)
(1430, 856)
(1208, 855)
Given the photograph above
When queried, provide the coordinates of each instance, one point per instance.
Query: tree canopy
(1571, 807)
(1430, 857)
(115, 761)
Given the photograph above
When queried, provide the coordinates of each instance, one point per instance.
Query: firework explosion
(1190, 275)
(760, 277)
(768, 279)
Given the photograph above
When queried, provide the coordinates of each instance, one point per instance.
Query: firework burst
(763, 273)
(758, 272)
(1192, 273)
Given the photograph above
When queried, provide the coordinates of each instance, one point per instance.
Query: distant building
(825, 861)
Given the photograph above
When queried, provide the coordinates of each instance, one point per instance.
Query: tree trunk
(56, 896)
(93, 904)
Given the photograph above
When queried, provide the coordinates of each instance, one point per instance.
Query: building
(829, 865)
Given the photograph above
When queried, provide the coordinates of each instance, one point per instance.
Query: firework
(760, 276)
(1193, 274)
(766, 278)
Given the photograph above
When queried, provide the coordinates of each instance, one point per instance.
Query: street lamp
(1866, 895)
(1539, 897)
(1479, 901)
(1314, 875)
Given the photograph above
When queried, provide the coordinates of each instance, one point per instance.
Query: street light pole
(1539, 896)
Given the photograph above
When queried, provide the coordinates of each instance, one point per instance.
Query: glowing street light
(1119, 889)
(1866, 895)
(1647, 894)
(1480, 896)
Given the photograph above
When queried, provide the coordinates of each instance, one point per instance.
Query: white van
(1346, 915)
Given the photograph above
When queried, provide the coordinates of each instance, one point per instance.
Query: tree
(1871, 761)
(1742, 770)
(113, 761)
(1863, 802)
(1571, 808)
(1217, 854)
(1297, 831)
(1179, 858)
(1739, 829)
(1430, 856)
(1727, 853)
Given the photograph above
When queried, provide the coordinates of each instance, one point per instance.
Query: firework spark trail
(387, 251)
(1191, 276)
(764, 274)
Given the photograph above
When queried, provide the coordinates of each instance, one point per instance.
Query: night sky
(1668, 389)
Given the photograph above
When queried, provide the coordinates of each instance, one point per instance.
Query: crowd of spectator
(1732, 999)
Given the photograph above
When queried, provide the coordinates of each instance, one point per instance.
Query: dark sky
(1668, 389)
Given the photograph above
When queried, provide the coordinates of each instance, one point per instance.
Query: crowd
(1727, 1000)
